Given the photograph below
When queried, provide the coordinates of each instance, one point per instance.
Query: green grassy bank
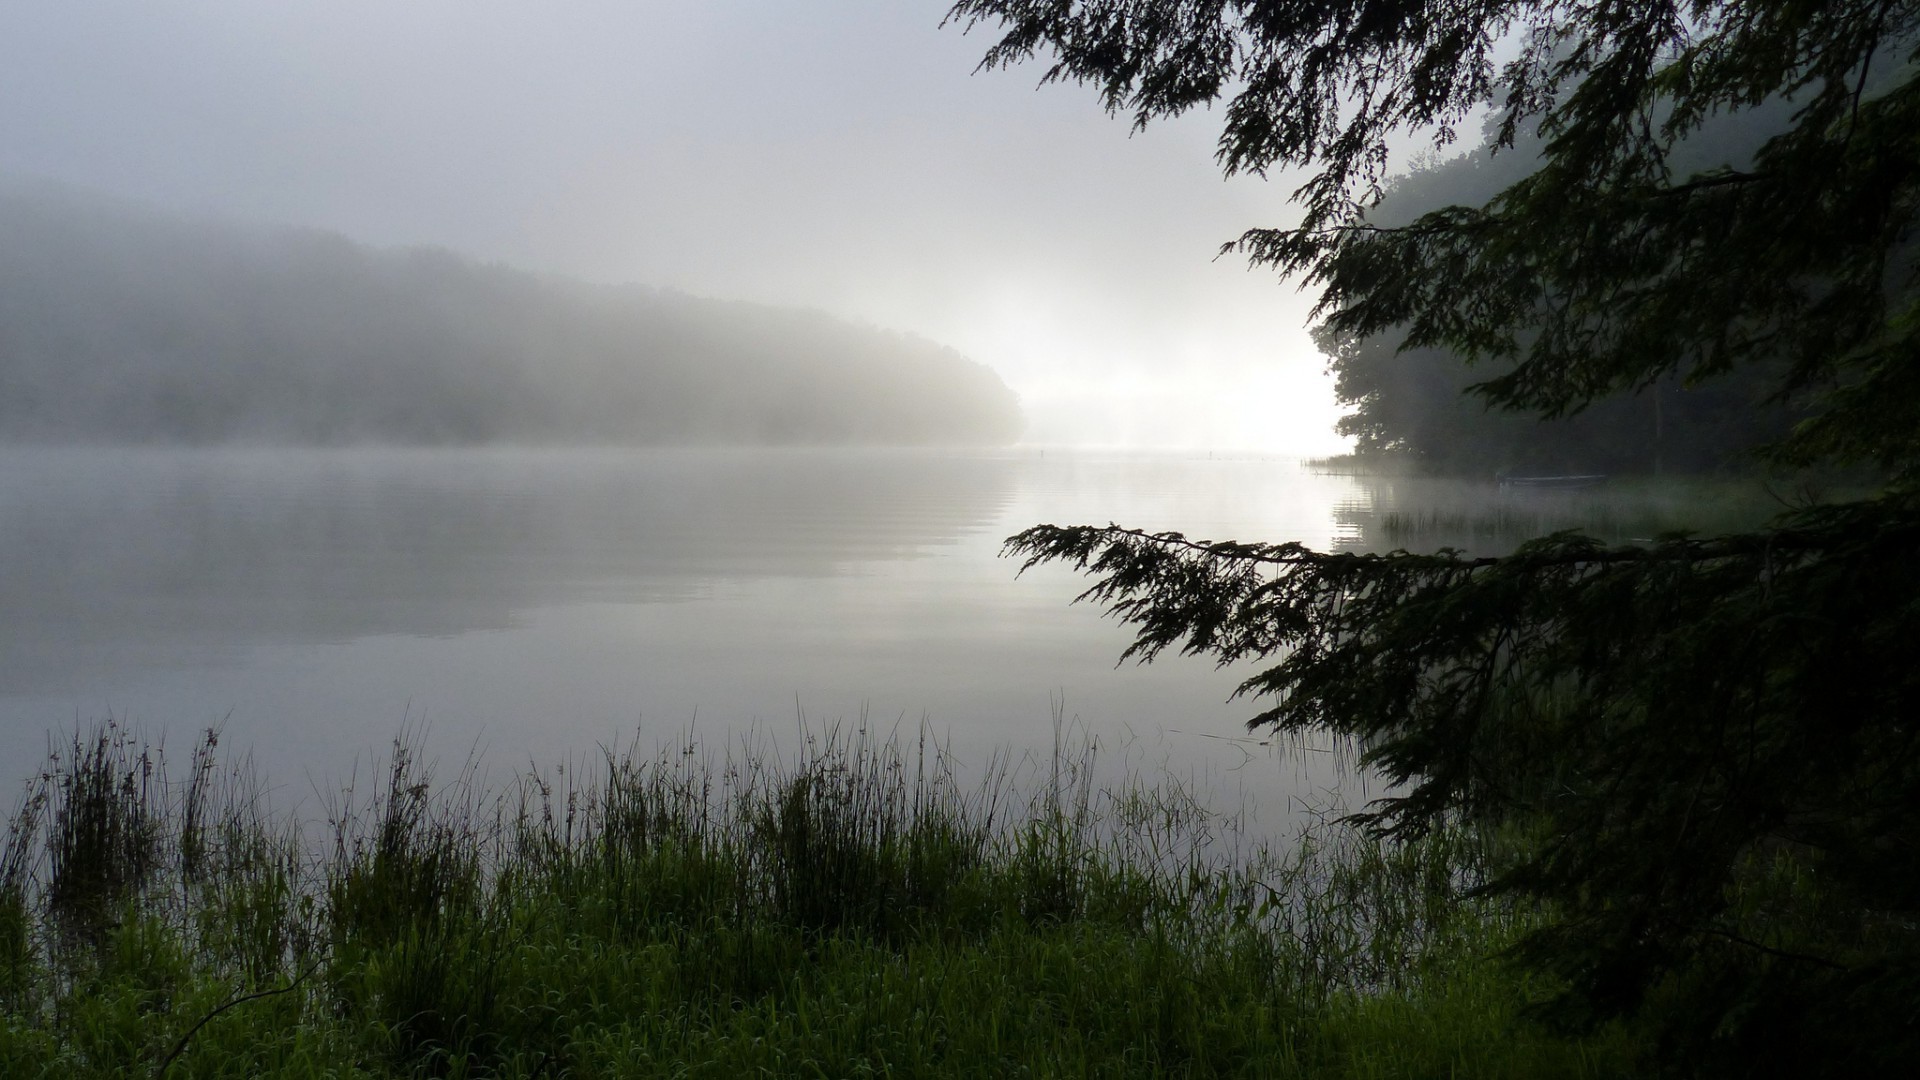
(849, 911)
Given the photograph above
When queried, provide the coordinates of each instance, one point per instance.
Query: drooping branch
(1391, 647)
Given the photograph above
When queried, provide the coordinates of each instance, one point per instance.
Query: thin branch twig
(180, 1047)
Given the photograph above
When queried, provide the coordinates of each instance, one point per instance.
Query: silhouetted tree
(1709, 745)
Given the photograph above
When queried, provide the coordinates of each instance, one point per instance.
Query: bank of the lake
(787, 908)
(851, 911)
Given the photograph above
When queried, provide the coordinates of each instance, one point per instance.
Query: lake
(534, 606)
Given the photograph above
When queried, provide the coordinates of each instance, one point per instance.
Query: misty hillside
(121, 324)
(1417, 402)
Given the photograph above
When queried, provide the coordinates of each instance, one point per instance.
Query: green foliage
(105, 839)
(413, 866)
(646, 921)
(852, 849)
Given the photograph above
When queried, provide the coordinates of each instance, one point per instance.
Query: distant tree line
(122, 324)
(1416, 403)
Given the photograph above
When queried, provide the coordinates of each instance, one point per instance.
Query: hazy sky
(838, 154)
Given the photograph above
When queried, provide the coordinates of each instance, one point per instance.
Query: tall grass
(851, 909)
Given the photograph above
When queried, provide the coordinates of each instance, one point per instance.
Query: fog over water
(835, 155)
(539, 604)
(229, 225)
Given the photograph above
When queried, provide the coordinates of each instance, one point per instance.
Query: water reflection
(537, 604)
(540, 603)
(1482, 517)
(119, 559)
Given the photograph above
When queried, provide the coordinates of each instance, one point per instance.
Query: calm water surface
(537, 605)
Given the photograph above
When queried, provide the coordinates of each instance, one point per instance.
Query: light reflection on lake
(540, 604)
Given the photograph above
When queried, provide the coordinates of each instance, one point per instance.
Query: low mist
(843, 158)
(125, 325)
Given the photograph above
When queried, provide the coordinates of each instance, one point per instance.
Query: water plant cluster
(852, 909)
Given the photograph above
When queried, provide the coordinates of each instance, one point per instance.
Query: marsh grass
(851, 909)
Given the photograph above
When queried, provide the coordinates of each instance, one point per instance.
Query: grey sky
(835, 154)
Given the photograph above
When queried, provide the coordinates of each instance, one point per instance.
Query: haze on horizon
(841, 155)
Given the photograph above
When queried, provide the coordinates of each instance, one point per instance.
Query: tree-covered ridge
(1417, 403)
(1703, 755)
(1415, 407)
(120, 324)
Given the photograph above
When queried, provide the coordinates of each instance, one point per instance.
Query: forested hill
(1417, 404)
(121, 324)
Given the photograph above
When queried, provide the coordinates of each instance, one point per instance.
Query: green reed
(853, 908)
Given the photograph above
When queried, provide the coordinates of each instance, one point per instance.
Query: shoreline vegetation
(850, 910)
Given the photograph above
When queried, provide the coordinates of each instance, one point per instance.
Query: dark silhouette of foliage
(1416, 404)
(1676, 726)
(1606, 267)
(1701, 751)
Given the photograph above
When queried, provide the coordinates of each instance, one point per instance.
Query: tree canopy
(1707, 746)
